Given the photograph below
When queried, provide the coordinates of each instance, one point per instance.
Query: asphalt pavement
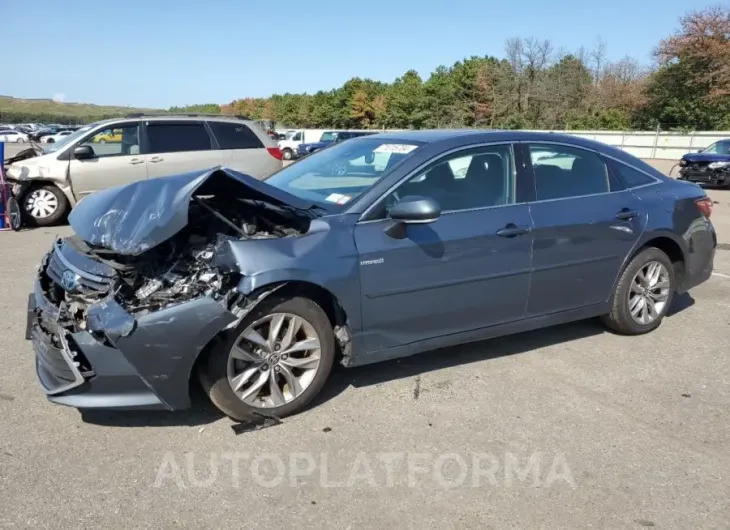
(561, 428)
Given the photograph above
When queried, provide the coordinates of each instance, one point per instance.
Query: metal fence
(654, 144)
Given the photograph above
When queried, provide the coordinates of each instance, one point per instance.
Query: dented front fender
(165, 359)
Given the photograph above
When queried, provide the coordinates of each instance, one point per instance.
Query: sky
(160, 53)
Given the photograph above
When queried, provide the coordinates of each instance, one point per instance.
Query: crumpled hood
(134, 218)
(705, 157)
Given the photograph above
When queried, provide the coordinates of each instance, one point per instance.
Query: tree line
(536, 86)
(532, 86)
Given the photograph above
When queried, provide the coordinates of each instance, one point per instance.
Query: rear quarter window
(234, 136)
(629, 177)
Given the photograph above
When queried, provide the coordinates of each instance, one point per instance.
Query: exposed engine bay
(182, 268)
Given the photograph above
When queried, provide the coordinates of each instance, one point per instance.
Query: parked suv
(328, 138)
(49, 181)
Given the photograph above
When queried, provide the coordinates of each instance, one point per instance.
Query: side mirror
(699, 150)
(412, 209)
(370, 158)
(84, 152)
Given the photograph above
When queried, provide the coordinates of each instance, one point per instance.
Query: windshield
(65, 140)
(328, 136)
(334, 176)
(718, 148)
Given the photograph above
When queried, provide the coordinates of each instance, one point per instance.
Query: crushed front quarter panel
(165, 345)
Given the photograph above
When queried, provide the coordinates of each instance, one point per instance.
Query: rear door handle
(512, 230)
(626, 214)
(136, 161)
(156, 159)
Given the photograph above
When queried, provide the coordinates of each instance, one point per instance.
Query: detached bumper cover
(149, 367)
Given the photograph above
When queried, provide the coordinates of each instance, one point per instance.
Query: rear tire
(220, 370)
(287, 154)
(632, 293)
(53, 207)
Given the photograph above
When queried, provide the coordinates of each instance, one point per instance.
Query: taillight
(705, 206)
(275, 152)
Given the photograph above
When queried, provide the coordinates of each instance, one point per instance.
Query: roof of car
(435, 135)
(183, 117)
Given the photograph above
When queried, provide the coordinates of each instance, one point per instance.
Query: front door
(117, 160)
(469, 269)
(583, 229)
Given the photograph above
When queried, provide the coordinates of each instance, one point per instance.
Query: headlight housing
(683, 162)
(719, 165)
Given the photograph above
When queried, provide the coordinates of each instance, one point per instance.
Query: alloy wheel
(649, 293)
(41, 203)
(274, 360)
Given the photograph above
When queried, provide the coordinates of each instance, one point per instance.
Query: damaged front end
(702, 171)
(121, 310)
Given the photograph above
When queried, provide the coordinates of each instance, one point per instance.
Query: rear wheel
(274, 363)
(643, 294)
(45, 205)
(287, 154)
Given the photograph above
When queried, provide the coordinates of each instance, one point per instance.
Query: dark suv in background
(328, 138)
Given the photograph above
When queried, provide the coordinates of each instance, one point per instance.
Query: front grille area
(77, 273)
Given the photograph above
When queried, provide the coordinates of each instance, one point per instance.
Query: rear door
(245, 150)
(180, 146)
(117, 159)
(585, 224)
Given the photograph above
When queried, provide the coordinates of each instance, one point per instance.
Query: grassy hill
(46, 110)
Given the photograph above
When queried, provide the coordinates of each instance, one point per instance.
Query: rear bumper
(700, 259)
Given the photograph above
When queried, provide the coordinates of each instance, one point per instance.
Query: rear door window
(234, 135)
(177, 137)
(562, 172)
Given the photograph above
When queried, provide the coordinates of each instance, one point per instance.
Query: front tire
(643, 294)
(273, 363)
(287, 154)
(45, 205)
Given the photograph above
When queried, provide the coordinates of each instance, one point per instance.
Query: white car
(53, 138)
(12, 136)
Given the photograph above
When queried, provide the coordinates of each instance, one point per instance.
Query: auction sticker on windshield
(338, 198)
(395, 148)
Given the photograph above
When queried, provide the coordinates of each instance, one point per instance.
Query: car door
(180, 146)
(114, 163)
(467, 270)
(585, 225)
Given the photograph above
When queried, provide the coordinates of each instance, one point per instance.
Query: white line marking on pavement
(720, 274)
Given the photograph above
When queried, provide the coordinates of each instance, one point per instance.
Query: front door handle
(156, 159)
(512, 230)
(626, 214)
(136, 161)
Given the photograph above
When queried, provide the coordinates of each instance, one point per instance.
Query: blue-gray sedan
(372, 249)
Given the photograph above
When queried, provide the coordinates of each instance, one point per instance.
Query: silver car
(50, 180)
